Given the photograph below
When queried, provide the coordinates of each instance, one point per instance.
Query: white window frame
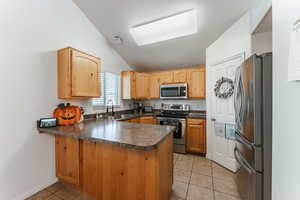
(96, 104)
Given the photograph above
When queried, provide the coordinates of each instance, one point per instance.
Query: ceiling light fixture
(175, 26)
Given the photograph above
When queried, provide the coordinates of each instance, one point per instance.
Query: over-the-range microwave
(174, 91)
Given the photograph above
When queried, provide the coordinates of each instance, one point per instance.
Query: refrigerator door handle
(236, 86)
(243, 162)
(243, 141)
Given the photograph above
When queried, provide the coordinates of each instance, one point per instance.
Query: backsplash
(195, 104)
(90, 109)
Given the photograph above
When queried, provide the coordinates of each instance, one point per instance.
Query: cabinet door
(154, 86)
(89, 167)
(142, 86)
(147, 120)
(180, 76)
(196, 137)
(166, 77)
(85, 75)
(128, 84)
(196, 82)
(67, 159)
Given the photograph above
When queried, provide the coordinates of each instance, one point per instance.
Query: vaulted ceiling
(115, 17)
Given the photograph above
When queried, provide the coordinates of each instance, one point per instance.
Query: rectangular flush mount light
(175, 26)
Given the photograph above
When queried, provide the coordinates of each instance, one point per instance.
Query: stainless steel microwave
(174, 91)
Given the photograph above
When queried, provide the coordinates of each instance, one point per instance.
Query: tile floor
(195, 178)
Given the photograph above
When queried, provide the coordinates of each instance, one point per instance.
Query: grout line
(213, 184)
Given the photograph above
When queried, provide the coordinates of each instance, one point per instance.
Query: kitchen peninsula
(111, 159)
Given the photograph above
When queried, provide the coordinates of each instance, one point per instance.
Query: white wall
(31, 32)
(286, 107)
(258, 13)
(236, 40)
(262, 43)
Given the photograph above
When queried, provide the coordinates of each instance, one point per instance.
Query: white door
(222, 111)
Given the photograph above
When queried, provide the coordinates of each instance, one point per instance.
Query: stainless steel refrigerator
(253, 117)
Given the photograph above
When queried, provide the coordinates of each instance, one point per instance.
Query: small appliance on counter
(47, 122)
(148, 109)
(66, 114)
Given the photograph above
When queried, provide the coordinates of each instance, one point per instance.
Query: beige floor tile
(53, 197)
(225, 186)
(203, 170)
(174, 197)
(222, 196)
(55, 187)
(182, 175)
(199, 193)
(66, 194)
(84, 197)
(179, 190)
(201, 161)
(222, 173)
(186, 165)
(185, 157)
(42, 195)
(202, 181)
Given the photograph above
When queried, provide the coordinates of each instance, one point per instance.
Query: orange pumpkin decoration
(67, 115)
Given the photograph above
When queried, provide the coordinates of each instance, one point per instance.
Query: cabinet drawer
(196, 121)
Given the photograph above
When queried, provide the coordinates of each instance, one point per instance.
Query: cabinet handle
(92, 74)
(65, 148)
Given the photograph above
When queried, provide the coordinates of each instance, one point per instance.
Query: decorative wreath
(224, 88)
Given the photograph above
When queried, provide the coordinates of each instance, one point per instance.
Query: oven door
(173, 91)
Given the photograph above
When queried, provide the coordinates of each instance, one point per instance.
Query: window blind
(109, 90)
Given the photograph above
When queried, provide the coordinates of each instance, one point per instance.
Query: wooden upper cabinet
(78, 74)
(196, 136)
(128, 85)
(154, 86)
(196, 82)
(67, 159)
(166, 77)
(142, 85)
(180, 76)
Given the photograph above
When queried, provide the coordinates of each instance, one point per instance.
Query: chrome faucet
(112, 107)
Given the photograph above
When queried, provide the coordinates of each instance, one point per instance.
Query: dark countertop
(133, 116)
(124, 134)
(197, 115)
(191, 115)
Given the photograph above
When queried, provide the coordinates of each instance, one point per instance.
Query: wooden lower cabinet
(109, 172)
(67, 159)
(148, 120)
(196, 136)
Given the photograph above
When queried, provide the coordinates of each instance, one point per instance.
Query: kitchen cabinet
(147, 85)
(196, 82)
(148, 120)
(180, 76)
(67, 159)
(78, 74)
(196, 136)
(142, 85)
(128, 85)
(154, 86)
(135, 120)
(166, 77)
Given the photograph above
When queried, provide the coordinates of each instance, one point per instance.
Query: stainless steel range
(175, 115)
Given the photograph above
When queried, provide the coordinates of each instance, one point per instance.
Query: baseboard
(36, 189)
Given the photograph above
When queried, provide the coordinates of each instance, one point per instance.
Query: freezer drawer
(249, 182)
(252, 154)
